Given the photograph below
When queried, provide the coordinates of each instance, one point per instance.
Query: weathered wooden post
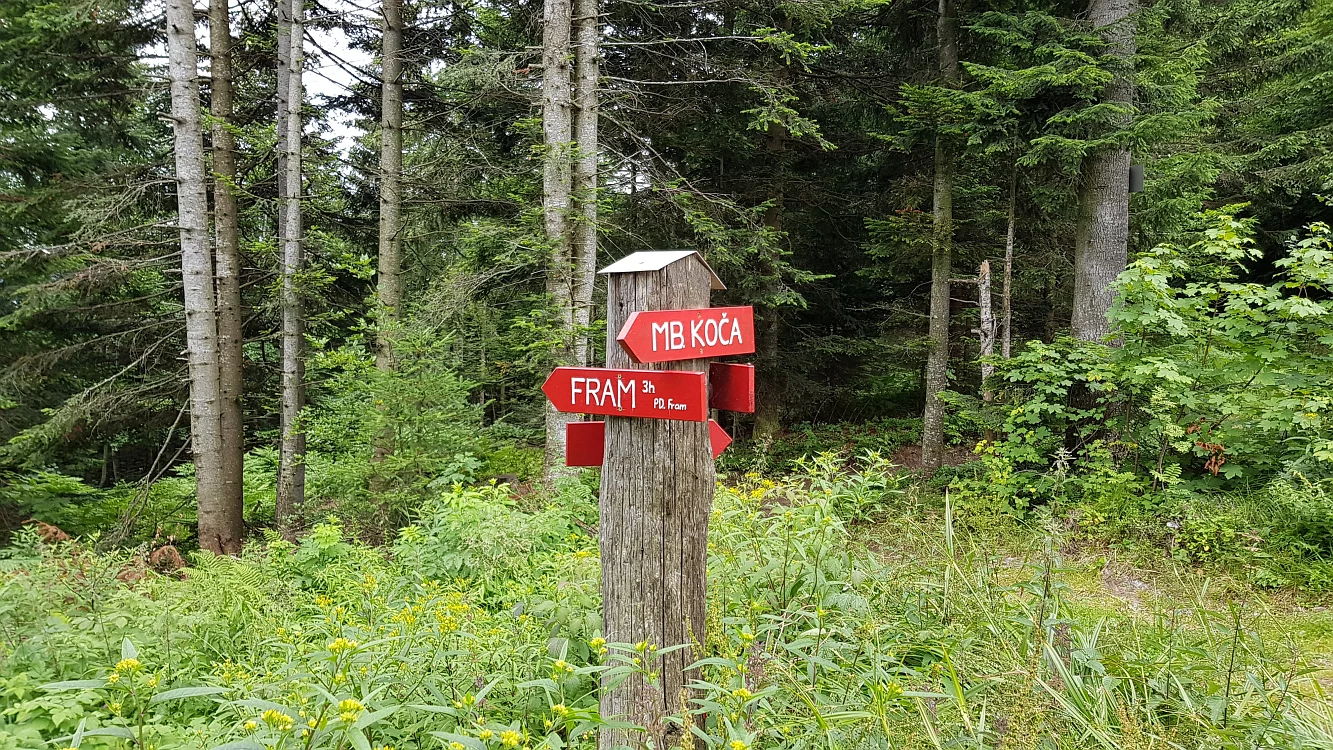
(656, 496)
(656, 449)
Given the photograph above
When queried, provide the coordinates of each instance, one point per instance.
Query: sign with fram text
(659, 394)
(673, 335)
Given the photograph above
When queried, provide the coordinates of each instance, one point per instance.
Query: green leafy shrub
(480, 627)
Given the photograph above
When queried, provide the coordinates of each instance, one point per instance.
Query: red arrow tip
(717, 438)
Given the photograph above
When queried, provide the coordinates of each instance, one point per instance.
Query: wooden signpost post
(656, 449)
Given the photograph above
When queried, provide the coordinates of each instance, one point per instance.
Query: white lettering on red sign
(670, 335)
(596, 391)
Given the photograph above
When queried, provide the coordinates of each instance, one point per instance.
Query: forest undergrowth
(847, 609)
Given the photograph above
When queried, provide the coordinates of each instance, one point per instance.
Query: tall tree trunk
(557, 126)
(389, 289)
(987, 330)
(389, 292)
(283, 13)
(770, 380)
(941, 266)
(291, 479)
(201, 327)
(230, 528)
(584, 170)
(1101, 245)
(1007, 311)
(768, 373)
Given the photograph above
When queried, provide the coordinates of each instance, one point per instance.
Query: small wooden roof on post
(656, 260)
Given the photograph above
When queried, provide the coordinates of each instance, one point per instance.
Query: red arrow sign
(672, 335)
(659, 394)
(585, 442)
(718, 439)
(732, 386)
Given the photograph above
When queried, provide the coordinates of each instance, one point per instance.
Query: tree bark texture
(656, 495)
(1101, 244)
(557, 126)
(769, 381)
(584, 171)
(1007, 311)
(937, 360)
(291, 477)
(230, 531)
(200, 300)
(987, 331)
(283, 12)
(389, 289)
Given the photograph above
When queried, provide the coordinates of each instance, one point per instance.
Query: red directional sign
(585, 442)
(672, 335)
(660, 394)
(718, 439)
(731, 387)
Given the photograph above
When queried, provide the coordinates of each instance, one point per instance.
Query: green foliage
(384, 442)
(1224, 378)
(812, 640)
(785, 452)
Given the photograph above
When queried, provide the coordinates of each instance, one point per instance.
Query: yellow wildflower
(251, 726)
(742, 693)
(485, 734)
(597, 642)
(128, 665)
(560, 709)
(112, 678)
(349, 710)
(510, 738)
(277, 719)
(739, 745)
(341, 645)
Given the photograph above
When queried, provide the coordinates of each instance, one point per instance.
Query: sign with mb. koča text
(673, 335)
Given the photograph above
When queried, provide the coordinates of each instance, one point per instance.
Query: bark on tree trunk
(389, 294)
(1101, 245)
(389, 289)
(584, 171)
(769, 385)
(291, 479)
(987, 331)
(1007, 312)
(656, 495)
(557, 127)
(937, 361)
(283, 13)
(201, 327)
(231, 528)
